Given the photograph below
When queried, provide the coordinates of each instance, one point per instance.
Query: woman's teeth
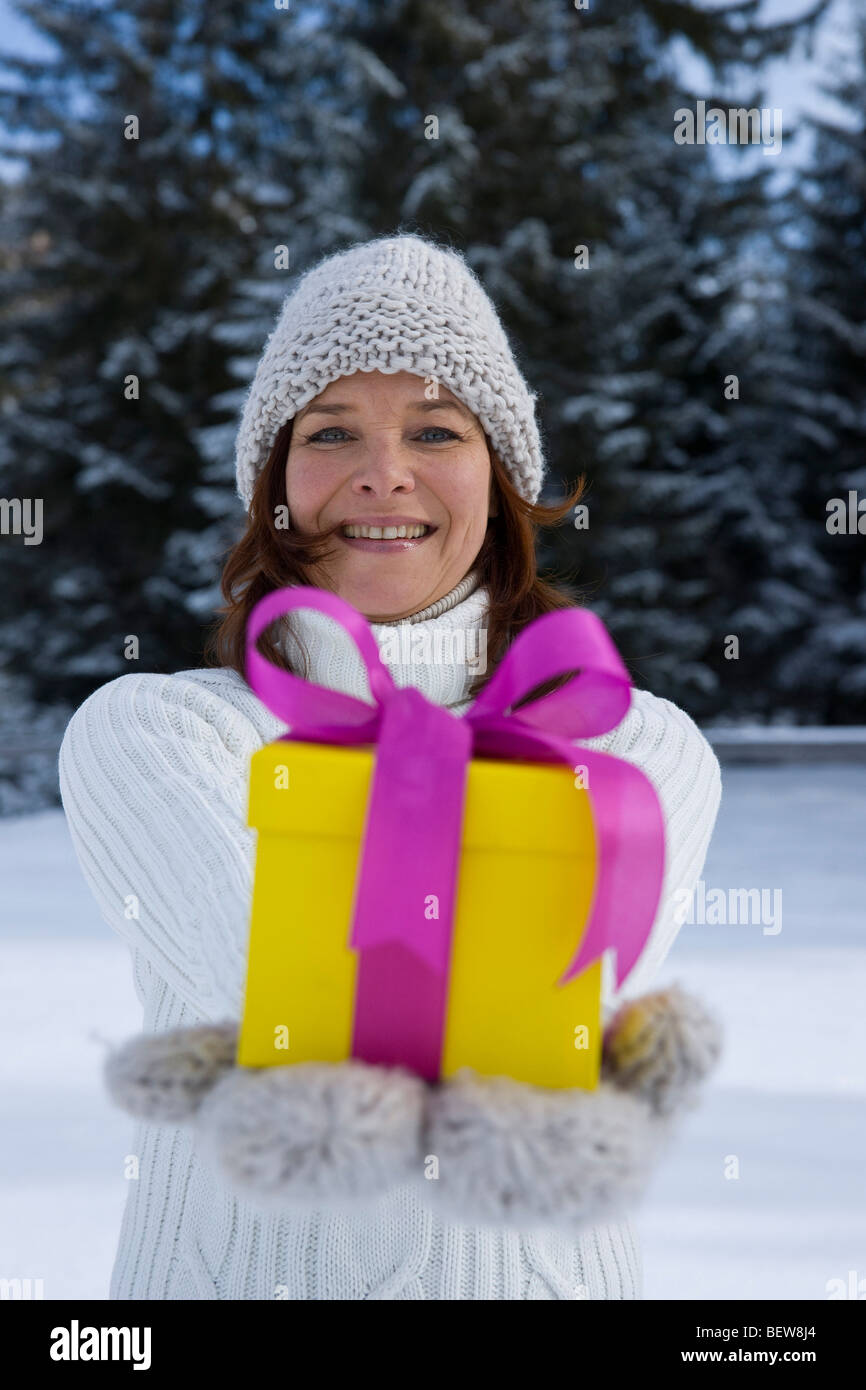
(385, 533)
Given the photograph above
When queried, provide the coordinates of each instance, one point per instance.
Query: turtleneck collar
(439, 650)
(468, 584)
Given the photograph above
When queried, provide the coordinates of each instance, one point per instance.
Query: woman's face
(371, 451)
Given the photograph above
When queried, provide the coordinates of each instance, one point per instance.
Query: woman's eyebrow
(340, 407)
(331, 408)
(442, 405)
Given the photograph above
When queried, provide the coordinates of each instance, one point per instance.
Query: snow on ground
(64, 977)
(788, 1102)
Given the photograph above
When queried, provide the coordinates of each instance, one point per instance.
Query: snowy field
(788, 1103)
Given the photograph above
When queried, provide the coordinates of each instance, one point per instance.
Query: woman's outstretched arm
(669, 748)
(154, 772)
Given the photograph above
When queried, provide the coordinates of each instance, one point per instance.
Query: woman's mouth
(398, 536)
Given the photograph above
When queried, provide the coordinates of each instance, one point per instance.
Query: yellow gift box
(525, 882)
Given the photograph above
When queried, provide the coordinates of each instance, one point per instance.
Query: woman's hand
(481, 1150)
(314, 1133)
(522, 1156)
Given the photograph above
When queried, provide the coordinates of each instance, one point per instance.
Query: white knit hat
(392, 304)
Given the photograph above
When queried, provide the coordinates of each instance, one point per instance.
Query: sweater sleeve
(668, 747)
(154, 775)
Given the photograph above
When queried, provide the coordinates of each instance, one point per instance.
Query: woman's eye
(319, 436)
(326, 435)
(439, 429)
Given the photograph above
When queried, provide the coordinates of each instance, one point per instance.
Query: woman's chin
(384, 603)
(388, 610)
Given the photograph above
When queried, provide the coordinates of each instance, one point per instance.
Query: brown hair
(268, 557)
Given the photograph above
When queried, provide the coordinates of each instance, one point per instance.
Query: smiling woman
(389, 425)
(392, 462)
(393, 458)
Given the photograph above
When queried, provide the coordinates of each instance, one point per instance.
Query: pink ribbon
(410, 849)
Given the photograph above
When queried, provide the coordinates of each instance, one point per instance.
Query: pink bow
(412, 836)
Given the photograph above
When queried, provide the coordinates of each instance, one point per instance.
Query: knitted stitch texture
(154, 774)
(392, 304)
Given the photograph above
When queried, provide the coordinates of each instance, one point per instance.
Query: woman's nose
(384, 468)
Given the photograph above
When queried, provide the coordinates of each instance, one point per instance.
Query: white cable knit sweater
(153, 774)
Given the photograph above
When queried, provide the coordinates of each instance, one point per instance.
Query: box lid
(317, 789)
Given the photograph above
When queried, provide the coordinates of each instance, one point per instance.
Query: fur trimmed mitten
(520, 1156)
(506, 1153)
(301, 1134)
